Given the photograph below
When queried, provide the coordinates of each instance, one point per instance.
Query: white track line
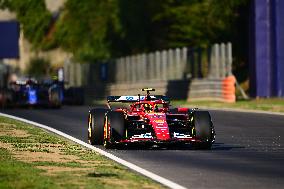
(140, 170)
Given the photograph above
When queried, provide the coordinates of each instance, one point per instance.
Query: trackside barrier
(182, 73)
(229, 89)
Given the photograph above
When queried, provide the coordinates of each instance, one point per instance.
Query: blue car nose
(32, 98)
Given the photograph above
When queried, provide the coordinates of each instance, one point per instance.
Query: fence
(198, 73)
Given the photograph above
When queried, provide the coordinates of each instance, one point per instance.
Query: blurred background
(198, 49)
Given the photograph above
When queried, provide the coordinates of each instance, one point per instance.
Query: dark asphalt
(248, 153)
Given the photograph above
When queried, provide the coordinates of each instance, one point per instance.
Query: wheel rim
(90, 129)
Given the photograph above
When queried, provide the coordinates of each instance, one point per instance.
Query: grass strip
(271, 104)
(33, 158)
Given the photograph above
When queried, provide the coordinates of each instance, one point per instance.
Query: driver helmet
(148, 107)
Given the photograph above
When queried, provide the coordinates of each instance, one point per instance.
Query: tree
(84, 26)
(38, 68)
(33, 16)
(150, 25)
(96, 30)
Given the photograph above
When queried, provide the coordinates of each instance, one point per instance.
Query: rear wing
(136, 98)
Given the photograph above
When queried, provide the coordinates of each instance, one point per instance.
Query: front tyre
(54, 98)
(203, 130)
(96, 126)
(117, 126)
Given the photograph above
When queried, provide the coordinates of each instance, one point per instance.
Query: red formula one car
(149, 120)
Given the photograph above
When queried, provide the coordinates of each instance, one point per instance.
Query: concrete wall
(179, 73)
(190, 90)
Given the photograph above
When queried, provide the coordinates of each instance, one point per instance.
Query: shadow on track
(215, 147)
(224, 147)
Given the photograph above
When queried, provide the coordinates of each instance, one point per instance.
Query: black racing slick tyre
(96, 126)
(117, 125)
(54, 98)
(203, 129)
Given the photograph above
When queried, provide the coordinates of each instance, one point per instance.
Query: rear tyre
(203, 129)
(117, 125)
(96, 126)
(54, 99)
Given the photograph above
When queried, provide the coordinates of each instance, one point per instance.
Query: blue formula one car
(31, 93)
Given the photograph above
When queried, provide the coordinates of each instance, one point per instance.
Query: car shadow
(215, 147)
(225, 147)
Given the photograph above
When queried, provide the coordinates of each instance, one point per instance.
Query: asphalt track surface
(248, 153)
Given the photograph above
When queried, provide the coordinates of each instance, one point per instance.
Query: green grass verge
(24, 163)
(16, 174)
(271, 104)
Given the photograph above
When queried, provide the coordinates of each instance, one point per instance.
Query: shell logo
(159, 121)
